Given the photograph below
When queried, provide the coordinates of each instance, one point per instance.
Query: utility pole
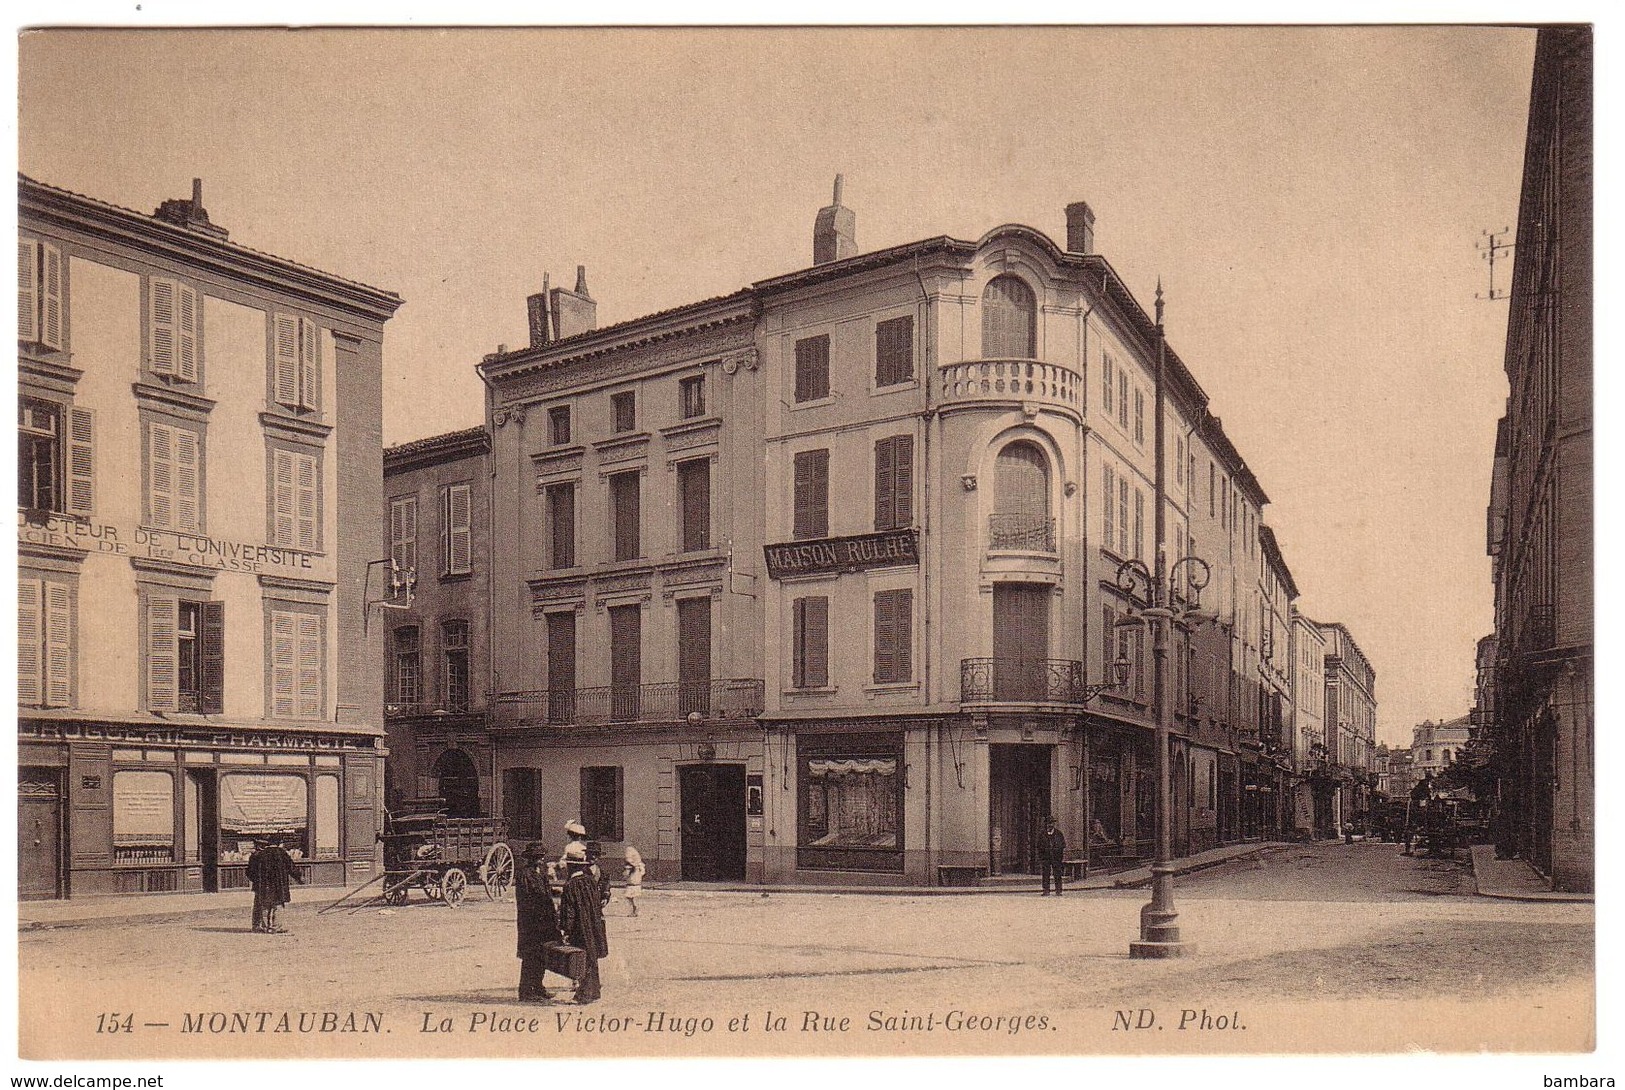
(1492, 245)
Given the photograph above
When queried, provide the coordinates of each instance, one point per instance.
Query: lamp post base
(1144, 949)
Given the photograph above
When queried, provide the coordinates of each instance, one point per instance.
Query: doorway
(1021, 641)
(1019, 801)
(713, 825)
(458, 782)
(39, 834)
(203, 824)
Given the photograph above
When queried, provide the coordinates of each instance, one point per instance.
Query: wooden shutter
(403, 533)
(885, 486)
(1122, 398)
(625, 503)
(282, 497)
(189, 320)
(810, 667)
(812, 368)
(188, 475)
(310, 364)
(305, 509)
(58, 644)
(461, 556)
(1139, 524)
(894, 351)
(283, 656)
(893, 635)
(561, 652)
(163, 618)
(161, 325)
(903, 632)
(30, 642)
(161, 475)
(1106, 384)
(285, 359)
(694, 480)
(1109, 490)
(28, 324)
(812, 493)
(561, 504)
(1122, 516)
(51, 296)
(626, 649)
(212, 697)
(81, 461)
(902, 481)
(309, 682)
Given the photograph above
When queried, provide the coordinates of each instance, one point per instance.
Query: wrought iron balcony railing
(657, 702)
(397, 709)
(1031, 681)
(1025, 533)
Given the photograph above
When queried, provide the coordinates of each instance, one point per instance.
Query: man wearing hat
(538, 921)
(270, 869)
(1051, 855)
(581, 917)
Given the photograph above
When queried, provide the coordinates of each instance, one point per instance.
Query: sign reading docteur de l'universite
(889, 548)
(223, 554)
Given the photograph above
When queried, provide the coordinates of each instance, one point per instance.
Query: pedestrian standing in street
(1051, 854)
(595, 860)
(634, 879)
(581, 918)
(538, 922)
(270, 869)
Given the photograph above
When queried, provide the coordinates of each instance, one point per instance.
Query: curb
(1192, 868)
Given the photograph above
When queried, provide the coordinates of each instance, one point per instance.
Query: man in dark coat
(538, 921)
(1051, 853)
(581, 917)
(270, 869)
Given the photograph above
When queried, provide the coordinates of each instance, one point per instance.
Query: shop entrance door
(713, 827)
(203, 824)
(39, 834)
(1019, 801)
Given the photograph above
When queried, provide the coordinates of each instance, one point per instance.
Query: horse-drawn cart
(439, 855)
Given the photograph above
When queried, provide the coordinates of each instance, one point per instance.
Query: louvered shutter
(58, 644)
(163, 617)
(28, 325)
(189, 321)
(459, 543)
(403, 533)
(309, 683)
(161, 323)
(695, 480)
(305, 509)
(885, 639)
(213, 695)
(885, 486)
(561, 502)
(283, 655)
(1108, 642)
(903, 634)
(188, 463)
(51, 296)
(626, 511)
(805, 506)
(812, 632)
(1122, 398)
(798, 643)
(1139, 524)
(902, 481)
(81, 461)
(161, 475)
(310, 364)
(1122, 516)
(285, 359)
(282, 498)
(30, 632)
(1109, 489)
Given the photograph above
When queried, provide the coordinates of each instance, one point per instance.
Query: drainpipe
(927, 379)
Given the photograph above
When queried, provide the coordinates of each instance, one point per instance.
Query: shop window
(41, 294)
(174, 478)
(143, 816)
(894, 351)
(295, 499)
(1009, 319)
(456, 530)
(454, 650)
(894, 482)
(691, 397)
(185, 645)
(296, 363)
(275, 806)
(327, 838)
(174, 330)
(602, 802)
(850, 790)
(812, 368)
(403, 533)
(408, 658)
(811, 511)
(558, 425)
(45, 643)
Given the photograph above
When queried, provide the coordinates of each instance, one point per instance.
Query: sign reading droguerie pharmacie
(888, 549)
(72, 532)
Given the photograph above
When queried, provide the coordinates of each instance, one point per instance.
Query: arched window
(1021, 499)
(1008, 319)
(458, 783)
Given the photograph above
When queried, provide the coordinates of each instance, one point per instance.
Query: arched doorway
(458, 783)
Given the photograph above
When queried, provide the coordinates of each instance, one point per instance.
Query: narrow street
(1297, 947)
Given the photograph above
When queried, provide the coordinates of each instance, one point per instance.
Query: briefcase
(565, 960)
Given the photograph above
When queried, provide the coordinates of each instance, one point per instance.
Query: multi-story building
(436, 644)
(1437, 746)
(1540, 517)
(1277, 767)
(1394, 773)
(1351, 720)
(199, 429)
(1313, 813)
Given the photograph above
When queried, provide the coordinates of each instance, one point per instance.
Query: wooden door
(39, 834)
(1020, 641)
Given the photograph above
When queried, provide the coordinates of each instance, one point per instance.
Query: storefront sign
(262, 803)
(68, 532)
(891, 548)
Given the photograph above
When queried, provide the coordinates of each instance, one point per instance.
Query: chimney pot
(581, 282)
(1080, 228)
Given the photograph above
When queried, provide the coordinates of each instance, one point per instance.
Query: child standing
(634, 878)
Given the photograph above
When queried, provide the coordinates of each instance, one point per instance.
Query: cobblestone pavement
(1331, 946)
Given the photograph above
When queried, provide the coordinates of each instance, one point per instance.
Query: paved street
(1329, 946)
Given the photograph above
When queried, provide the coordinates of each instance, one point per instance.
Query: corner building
(199, 491)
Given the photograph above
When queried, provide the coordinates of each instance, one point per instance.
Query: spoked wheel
(497, 871)
(395, 894)
(453, 887)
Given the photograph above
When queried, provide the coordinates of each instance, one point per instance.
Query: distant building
(1351, 720)
(1437, 746)
(1312, 807)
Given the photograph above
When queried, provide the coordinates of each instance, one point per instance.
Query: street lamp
(1120, 671)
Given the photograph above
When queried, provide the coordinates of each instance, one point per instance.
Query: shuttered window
(561, 667)
(894, 482)
(1108, 481)
(894, 351)
(185, 653)
(1122, 516)
(295, 501)
(81, 461)
(1122, 398)
(809, 667)
(625, 513)
(694, 504)
(1139, 524)
(561, 525)
(623, 411)
(174, 472)
(174, 329)
(812, 494)
(296, 362)
(601, 795)
(40, 294)
(56, 473)
(1009, 319)
(812, 368)
(1108, 385)
(1139, 416)
(456, 533)
(403, 533)
(296, 665)
(691, 397)
(558, 425)
(894, 636)
(45, 643)
(625, 662)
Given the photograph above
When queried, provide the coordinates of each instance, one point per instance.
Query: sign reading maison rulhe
(890, 548)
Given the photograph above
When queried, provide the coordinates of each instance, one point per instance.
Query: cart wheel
(430, 886)
(396, 894)
(453, 887)
(497, 871)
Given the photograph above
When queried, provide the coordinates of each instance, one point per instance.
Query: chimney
(1080, 228)
(573, 311)
(536, 307)
(835, 231)
(190, 213)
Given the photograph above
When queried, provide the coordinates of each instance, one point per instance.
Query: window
(174, 330)
(1122, 517)
(143, 816)
(185, 643)
(1212, 491)
(297, 363)
(408, 656)
(51, 475)
(561, 525)
(1108, 507)
(694, 504)
(274, 805)
(691, 397)
(403, 533)
(1179, 460)
(561, 667)
(894, 483)
(1139, 416)
(45, 643)
(624, 500)
(174, 469)
(1008, 319)
(894, 636)
(1122, 399)
(454, 652)
(850, 792)
(1224, 506)
(894, 351)
(623, 411)
(625, 663)
(297, 656)
(601, 798)
(295, 503)
(1108, 385)
(812, 368)
(1020, 518)
(812, 494)
(1108, 643)
(327, 817)
(456, 530)
(558, 425)
(1139, 524)
(809, 667)
(40, 294)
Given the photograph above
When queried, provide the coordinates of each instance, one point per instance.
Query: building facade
(1436, 747)
(1313, 813)
(1351, 722)
(195, 521)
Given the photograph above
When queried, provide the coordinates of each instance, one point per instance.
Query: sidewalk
(1514, 879)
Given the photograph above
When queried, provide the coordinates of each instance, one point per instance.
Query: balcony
(657, 702)
(974, 381)
(1020, 533)
(1020, 681)
(423, 709)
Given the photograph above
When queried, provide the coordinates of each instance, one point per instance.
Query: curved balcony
(976, 381)
(1020, 681)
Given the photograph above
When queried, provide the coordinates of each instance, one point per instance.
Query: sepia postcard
(773, 542)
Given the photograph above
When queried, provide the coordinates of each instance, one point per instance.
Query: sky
(1310, 198)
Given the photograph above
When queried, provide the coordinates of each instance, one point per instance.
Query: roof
(1272, 553)
(450, 446)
